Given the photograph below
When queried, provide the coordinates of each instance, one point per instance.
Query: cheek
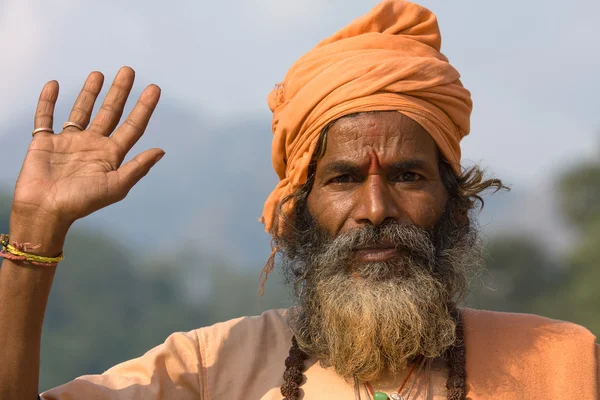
(424, 209)
(330, 211)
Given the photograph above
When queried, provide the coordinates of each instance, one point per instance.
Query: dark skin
(377, 167)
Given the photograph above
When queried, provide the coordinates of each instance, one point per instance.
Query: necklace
(396, 395)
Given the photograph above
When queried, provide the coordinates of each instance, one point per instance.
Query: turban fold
(387, 60)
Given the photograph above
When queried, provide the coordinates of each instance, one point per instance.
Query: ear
(461, 215)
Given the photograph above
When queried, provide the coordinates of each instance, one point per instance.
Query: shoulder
(539, 357)
(489, 330)
(244, 357)
(269, 322)
(268, 329)
(515, 325)
(598, 364)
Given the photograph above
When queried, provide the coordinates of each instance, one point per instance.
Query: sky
(531, 66)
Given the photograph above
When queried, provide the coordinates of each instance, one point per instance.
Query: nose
(377, 202)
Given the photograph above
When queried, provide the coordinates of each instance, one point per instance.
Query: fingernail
(158, 157)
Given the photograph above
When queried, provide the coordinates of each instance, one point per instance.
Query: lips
(377, 252)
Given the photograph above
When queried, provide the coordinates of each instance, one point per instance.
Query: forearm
(24, 291)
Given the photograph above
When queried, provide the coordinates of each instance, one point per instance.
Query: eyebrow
(415, 163)
(349, 167)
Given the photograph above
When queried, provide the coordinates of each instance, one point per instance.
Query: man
(372, 222)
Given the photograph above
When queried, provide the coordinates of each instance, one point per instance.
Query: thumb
(131, 172)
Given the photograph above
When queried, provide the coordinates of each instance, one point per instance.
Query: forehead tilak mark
(374, 164)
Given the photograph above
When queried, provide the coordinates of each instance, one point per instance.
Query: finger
(44, 113)
(84, 105)
(132, 171)
(112, 108)
(134, 126)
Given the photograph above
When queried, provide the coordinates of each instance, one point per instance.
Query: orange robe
(509, 357)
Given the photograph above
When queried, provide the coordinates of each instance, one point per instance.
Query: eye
(408, 177)
(341, 179)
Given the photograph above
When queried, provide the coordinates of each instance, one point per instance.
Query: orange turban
(386, 60)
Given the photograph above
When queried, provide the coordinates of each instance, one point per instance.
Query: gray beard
(366, 320)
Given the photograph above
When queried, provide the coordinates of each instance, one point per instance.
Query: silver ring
(74, 125)
(38, 130)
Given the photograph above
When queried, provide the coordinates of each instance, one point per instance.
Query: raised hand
(69, 175)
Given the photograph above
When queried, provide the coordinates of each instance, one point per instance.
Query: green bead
(380, 396)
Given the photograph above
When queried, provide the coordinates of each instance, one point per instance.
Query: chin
(394, 269)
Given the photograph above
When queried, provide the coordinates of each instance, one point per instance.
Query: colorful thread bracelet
(16, 252)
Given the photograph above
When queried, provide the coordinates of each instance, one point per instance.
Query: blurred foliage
(579, 191)
(582, 291)
(518, 274)
(108, 306)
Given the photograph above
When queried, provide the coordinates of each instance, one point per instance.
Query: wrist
(47, 235)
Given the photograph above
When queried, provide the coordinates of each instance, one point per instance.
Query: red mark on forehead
(374, 164)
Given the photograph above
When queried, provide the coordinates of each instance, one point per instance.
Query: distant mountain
(207, 193)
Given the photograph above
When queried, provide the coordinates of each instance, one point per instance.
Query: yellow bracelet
(13, 252)
(32, 257)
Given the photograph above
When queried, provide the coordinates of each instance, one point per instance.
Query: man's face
(377, 167)
(375, 254)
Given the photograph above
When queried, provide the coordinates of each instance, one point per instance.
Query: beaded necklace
(456, 384)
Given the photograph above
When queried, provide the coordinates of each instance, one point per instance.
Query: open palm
(69, 175)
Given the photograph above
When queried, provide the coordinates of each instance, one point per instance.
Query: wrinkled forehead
(387, 134)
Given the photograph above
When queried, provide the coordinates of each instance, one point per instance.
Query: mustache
(416, 242)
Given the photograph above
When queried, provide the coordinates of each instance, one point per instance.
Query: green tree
(103, 311)
(519, 276)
